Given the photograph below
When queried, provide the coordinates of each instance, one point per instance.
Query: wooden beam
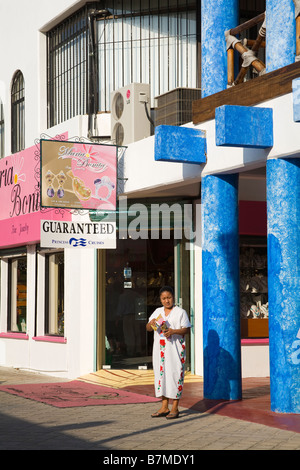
(251, 42)
(298, 35)
(257, 64)
(247, 25)
(257, 90)
(230, 66)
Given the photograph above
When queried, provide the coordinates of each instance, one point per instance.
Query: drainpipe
(92, 75)
(93, 81)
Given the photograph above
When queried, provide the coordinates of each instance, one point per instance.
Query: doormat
(75, 393)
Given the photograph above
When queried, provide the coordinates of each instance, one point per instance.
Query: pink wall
(253, 218)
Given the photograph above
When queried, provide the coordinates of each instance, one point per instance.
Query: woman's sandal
(160, 415)
(173, 415)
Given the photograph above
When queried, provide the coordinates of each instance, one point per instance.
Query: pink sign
(78, 176)
(20, 212)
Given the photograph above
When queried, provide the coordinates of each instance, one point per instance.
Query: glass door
(126, 297)
(183, 286)
(134, 274)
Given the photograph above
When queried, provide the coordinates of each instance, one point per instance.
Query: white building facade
(64, 312)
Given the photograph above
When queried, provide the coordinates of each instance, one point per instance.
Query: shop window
(54, 294)
(17, 113)
(254, 287)
(17, 294)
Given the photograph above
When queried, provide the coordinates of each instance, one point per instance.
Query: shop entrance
(134, 273)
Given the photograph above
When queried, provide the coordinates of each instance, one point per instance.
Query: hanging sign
(58, 234)
(78, 176)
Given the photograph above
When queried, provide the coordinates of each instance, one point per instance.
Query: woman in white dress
(168, 352)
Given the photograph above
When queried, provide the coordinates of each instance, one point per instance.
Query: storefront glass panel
(17, 294)
(183, 287)
(54, 289)
(254, 287)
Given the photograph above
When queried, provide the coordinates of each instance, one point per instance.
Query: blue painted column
(217, 16)
(280, 34)
(283, 191)
(283, 203)
(220, 267)
(220, 279)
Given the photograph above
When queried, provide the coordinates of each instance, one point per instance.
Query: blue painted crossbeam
(244, 126)
(179, 144)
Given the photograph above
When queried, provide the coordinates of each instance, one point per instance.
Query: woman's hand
(148, 326)
(169, 332)
(181, 331)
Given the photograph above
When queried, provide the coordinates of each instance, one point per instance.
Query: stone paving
(30, 425)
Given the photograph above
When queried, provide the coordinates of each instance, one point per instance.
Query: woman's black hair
(166, 289)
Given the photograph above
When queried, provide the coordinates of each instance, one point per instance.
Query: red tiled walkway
(254, 406)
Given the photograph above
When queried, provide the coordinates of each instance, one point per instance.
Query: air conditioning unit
(174, 108)
(129, 108)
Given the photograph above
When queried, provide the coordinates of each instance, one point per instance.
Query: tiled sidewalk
(26, 424)
(254, 407)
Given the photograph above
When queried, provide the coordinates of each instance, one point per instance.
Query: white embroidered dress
(169, 354)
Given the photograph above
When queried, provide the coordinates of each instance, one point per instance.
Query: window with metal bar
(251, 8)
(151, 42)
(67, 69)
(132, 40)
(17, 113)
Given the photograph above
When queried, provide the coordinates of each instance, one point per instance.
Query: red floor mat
(75, 393)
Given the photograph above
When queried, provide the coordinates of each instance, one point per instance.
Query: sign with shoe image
(76, 175)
